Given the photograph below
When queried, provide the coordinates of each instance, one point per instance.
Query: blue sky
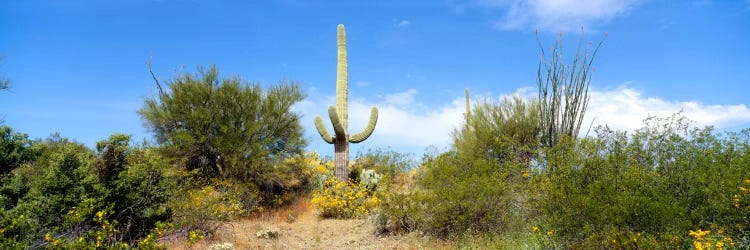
(78, 67)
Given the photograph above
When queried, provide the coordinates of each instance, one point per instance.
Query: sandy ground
(300, 228)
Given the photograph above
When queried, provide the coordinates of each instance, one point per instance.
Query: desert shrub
(343, 199)
(203, 210)
(385, 162)
(478, 186)
(15, 149)
(225, 127)
(400, 206)
(56, 184)
(462, 195)
(660, 182)
(502, 132)
(138, 187)
(66, 185)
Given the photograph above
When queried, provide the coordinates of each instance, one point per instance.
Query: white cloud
(400, 124)
(625, 108)
(557, 15)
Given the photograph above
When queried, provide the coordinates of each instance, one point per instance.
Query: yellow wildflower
(535, 229)
(700, 234)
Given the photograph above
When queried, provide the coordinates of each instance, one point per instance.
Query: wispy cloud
(400, 124)
(403, 23)
(362, 83)
(557, 15)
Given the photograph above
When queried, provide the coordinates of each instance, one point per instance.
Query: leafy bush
(202, 210)
(66, 185)
(659, 183)
(225, 127)
(476, 187)
(15, 149)
(385, 162)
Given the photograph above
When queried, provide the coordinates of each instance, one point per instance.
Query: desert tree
(224, 127)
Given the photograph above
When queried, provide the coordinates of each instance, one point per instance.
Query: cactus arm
(322, 130)
(361, 136)
(338, 128)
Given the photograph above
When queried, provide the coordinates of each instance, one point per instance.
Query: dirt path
(300, 228)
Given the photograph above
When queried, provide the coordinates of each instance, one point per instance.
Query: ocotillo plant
(563, 91)
(340, 117)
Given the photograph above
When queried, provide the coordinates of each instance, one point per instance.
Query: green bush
(383, 161)
(660, 182)
(225, 127)
(476, 187)
(66, 185)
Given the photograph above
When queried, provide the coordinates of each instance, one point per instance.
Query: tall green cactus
(468, 109)
(340, 117)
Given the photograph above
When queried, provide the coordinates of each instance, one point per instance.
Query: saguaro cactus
(468, 109)
(340, 117)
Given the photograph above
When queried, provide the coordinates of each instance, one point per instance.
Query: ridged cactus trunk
(340, 117)
(468, 109)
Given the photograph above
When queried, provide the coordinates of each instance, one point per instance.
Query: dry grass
(300, 228)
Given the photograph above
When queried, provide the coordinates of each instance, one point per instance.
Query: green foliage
(200, 211)
(15, 148)
(659, 183)
(138, 187)
(225, 126)
(478, 186)
(54, 197)
(500, 132)
(462, 193)
(385, 162)
(563, 91)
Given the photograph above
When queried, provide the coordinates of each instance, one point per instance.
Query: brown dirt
(301, 228)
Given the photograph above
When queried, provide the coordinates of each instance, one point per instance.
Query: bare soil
(300, 228)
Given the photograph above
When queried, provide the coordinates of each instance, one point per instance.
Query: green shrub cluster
(226, 148)
(68, 193)
(662, 181)
(643, 190)
(477, 186)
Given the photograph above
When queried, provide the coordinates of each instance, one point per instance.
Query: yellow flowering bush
(704, 240)
(104, 237)
(204, 209)
(343, 199)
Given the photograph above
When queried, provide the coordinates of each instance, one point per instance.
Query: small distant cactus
(340, 117)
(468, 108)
(268, 233)
(369, 178)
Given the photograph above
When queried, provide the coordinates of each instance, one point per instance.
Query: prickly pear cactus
(369, 178)
(340, 117)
